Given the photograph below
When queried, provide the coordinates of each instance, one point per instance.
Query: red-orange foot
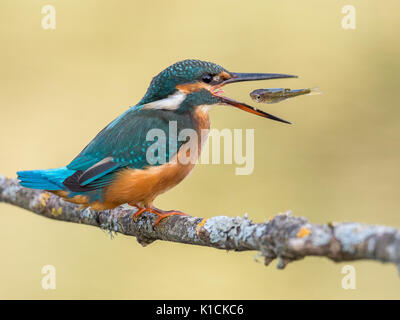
(160, 213)
(139, 210)
(164, 214)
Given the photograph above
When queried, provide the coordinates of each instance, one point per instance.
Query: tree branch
(284, 237)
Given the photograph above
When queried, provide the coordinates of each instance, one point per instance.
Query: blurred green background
(339, 162)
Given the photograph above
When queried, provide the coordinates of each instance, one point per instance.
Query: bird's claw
(160, 213)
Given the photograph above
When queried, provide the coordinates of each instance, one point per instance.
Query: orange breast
(141, 187)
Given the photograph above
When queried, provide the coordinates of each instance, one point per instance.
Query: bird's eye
(207, 78)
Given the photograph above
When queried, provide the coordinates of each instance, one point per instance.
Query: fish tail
(314, 91)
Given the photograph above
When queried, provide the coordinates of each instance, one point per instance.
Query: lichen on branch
(284, 237)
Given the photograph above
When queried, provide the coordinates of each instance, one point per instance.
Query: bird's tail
(49, 179)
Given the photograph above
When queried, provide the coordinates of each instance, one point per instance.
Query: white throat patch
(172, 102)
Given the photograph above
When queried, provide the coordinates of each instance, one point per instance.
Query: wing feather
(123, 143)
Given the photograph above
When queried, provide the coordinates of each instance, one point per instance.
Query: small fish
(275, 95)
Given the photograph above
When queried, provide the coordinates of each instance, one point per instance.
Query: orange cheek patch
(198, 85)
(193, 87)
(225, 75)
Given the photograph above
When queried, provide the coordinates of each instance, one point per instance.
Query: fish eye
(258, 97)
(207, 78)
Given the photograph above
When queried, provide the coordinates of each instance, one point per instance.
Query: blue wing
(123, 144)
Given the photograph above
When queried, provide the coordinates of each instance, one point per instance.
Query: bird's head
(188, 84)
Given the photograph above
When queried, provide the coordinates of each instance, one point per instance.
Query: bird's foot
(160, 213)
(138, 212)
(164, 214)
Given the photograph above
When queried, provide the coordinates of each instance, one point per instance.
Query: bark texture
(284, 237)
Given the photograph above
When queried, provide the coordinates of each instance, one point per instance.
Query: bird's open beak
(239, 77)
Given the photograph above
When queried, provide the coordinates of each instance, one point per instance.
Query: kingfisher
(117, 168)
